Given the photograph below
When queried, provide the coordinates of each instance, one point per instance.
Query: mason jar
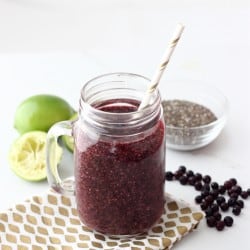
(119, 156)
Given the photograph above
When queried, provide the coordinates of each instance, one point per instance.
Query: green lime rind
(69, 140)
(40, 112)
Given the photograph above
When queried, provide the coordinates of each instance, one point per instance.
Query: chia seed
(183, 119)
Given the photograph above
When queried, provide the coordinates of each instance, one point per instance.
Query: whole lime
(40, 112)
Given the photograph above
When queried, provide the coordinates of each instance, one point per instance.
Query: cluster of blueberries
(212, 198)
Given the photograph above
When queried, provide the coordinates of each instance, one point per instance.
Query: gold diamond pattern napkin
(51, 222)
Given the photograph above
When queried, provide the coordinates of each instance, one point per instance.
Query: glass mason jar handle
(65, 186)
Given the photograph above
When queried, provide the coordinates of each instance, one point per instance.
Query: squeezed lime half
(27, 156)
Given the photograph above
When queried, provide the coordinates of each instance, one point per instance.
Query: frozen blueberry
(220, 199)
(178, 174)
(231, 202)
(214, 193)
(233, 181)
(211, 221)
(206, 179)
(236, 189)
(198, 199)
(183, 180)
(191, 180)
(198, 185)
(222, 189)
(205, 193)
(214, 207)
(204, 205)
(214, 185)
(198, 177)
(209, 199)
(228, 220)
(230, 191)
(248, 191)
(244, 194)
(224, 206)
(220, 225)
(234, 195)
(240, 203)
(206, 187)
(236, 210)
(217, 216)
(182, 169)
(209, 212)
(190, 173)
(227, 185)
(169, 176)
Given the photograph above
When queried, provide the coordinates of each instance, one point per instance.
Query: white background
(54, 46)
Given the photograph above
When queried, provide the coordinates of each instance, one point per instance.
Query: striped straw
(164, 62)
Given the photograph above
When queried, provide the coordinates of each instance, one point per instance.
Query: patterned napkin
(51, 222)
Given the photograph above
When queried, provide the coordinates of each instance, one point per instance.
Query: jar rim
(97, 111)
(115, 86)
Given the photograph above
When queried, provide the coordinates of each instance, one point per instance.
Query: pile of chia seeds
(181, 117)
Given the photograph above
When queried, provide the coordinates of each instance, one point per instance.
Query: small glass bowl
(185, 139)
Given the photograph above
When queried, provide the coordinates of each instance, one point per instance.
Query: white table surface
(52, 46)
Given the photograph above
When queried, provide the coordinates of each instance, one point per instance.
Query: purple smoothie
(120, 183)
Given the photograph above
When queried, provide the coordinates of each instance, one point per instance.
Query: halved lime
(27, 156)
(40, 112)
(69, 140)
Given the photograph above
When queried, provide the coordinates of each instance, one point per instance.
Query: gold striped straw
(164, 62)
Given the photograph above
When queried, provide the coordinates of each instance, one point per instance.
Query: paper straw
(164, 62)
